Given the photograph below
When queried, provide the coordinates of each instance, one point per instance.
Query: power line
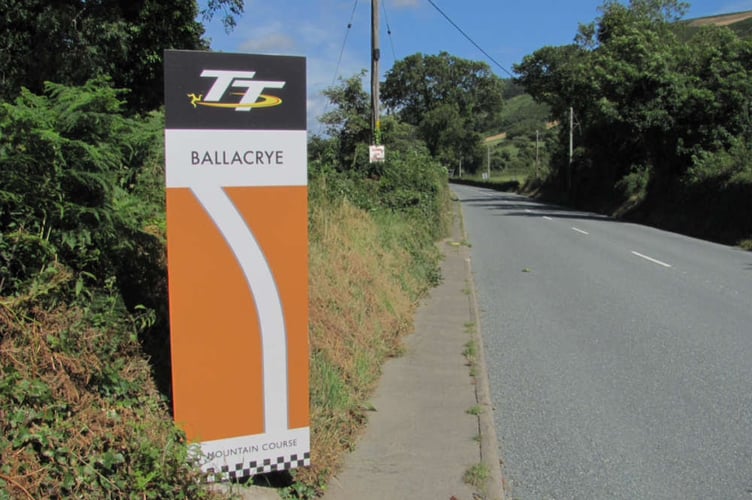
(389, 30)
(339, 59)
(469, 39)
(344, 42)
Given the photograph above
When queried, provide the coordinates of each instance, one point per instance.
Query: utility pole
(571, 149)
(375, 56)
(537, 138)
(488, 161)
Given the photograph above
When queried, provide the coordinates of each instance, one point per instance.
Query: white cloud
(272, 43)
(270, 38)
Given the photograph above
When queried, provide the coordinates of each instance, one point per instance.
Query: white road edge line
(579, 230)
(654, 261)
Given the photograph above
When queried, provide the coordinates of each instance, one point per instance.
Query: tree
(662, 113)
(558, 76)
(450, 100)
(348, 123)
(72, 41)
(627, 80)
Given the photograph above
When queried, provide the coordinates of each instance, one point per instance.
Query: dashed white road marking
(547, 217)
(654, 261)
(579, 230)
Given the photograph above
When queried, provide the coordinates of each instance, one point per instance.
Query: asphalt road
(619, 356)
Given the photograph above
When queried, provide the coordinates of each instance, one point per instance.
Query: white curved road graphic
(260, 279)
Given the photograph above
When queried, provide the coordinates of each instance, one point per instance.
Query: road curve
(619, 356)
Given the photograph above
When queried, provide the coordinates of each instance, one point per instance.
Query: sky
(507, 30)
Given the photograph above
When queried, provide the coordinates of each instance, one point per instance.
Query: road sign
(376, 154)
(237, 231)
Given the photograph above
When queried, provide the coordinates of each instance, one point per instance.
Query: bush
(81, 252)
(716, 193)
(722, 168)
(80, 415)
(634, 185)
(67, 162)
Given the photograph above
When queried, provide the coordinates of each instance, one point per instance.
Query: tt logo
(251, 97)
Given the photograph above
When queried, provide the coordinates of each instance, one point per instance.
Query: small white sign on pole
(376, 154)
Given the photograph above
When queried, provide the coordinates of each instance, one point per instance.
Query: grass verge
(369, 264)
(476, 476)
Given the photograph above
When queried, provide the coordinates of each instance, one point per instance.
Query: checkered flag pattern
(252, 468)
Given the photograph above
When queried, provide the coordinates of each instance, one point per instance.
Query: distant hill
(722, 20)
(739, 22)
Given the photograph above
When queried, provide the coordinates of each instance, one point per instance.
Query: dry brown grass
(80, 415)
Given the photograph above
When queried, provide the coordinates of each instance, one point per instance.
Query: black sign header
(210, 90)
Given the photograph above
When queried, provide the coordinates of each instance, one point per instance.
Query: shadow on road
(517, 206)
(561, 215)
